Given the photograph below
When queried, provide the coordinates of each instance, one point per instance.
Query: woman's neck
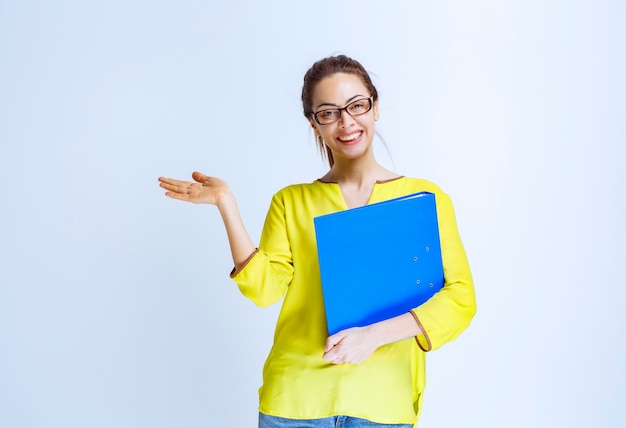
(358, 173)
(357, 181)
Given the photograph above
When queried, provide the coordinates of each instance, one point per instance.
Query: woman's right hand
(205, 189)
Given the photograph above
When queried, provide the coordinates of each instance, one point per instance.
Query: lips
(352, 138)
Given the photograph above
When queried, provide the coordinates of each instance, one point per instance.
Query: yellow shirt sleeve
(266, 275)
(445, 315)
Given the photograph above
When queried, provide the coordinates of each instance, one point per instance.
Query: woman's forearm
(357, 344)
(241, 246)
(394, 329)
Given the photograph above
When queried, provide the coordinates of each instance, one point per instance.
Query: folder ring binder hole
(418, 281)
(427, 249)
(415, 258)
(431, 284)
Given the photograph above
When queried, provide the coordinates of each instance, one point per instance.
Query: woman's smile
(352, 138)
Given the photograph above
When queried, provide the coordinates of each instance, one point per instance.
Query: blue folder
(378, 261)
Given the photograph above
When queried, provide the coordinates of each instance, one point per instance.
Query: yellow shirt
(297, 382)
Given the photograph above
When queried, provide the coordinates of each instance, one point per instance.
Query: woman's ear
(376, 112)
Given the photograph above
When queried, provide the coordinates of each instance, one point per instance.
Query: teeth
(350, 137)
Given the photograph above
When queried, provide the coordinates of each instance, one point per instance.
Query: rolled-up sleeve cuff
(236, 270)
(422, 339)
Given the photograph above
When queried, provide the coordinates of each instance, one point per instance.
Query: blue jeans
(266, 421)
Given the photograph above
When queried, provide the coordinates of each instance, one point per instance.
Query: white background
(116, 309)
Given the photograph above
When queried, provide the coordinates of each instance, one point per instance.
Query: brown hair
(324, 68)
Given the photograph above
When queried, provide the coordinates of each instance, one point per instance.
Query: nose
(345, 119)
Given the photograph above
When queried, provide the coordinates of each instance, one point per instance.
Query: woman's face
(349, 137)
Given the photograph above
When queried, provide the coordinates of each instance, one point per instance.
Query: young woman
(360, 377)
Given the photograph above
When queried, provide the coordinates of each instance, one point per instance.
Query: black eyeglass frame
(345, 108)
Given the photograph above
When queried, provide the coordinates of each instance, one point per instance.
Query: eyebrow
(335, 105)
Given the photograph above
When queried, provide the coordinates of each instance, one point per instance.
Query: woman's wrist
(225, 201)
(375, 332)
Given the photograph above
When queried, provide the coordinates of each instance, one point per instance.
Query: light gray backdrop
(116, 309)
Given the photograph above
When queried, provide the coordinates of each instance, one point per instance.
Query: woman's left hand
(353, 345)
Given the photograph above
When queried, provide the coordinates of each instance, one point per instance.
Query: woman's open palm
(205, 190)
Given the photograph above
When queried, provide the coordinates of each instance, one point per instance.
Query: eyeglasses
(355, 108)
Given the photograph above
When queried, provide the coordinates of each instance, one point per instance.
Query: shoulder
(414, 185)
(303, 194)
(312, 190)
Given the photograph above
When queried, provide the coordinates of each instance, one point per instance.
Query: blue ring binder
(378, 261)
